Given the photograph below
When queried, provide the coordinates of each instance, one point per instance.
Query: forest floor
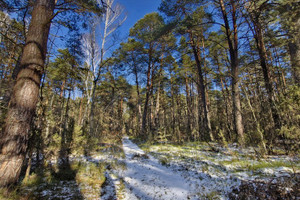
(231, 172)
(167, 171)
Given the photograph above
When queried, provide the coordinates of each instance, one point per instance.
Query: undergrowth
(79, 180)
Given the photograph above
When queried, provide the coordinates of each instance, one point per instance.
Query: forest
(200, 100)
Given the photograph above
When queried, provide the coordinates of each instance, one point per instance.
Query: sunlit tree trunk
(233, 51)
(25, 95)
(80, 110)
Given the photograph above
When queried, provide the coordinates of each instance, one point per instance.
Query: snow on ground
(145, 178)
(180, 180)
(166, 171)
(216, 174)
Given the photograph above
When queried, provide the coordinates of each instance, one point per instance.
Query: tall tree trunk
(257, 30)
(148, 88)
(157, 103)
(120, 116)
(207, 127)
(258, 34)
(178, 118)
(173, 118)
(61, 114)
(80, 111)
(25, 95)
(226, 102)
(233, 51)
(206, 90)
(201, 133)
(92, 109)
(188, 106)
(139, 109)
(144, 120)
(63, 153)
(157, 108)
(151, 109)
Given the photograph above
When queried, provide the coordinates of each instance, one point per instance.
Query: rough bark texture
(233, 51)
(14, 138)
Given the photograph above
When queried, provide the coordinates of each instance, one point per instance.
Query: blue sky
(136, 9)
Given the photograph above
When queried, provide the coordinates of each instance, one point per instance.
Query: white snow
(212, 175)
(148, 179)
(190, 171)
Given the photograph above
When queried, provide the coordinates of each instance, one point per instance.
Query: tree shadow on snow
(108, 189)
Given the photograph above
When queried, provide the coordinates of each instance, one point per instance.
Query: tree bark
(233, 51)
(159, 88)
(80, 111)
(258, 34)
(14, 139)
(207, 126)
(188, 105)
(226, 102)
(139, 109)
(92, 109)
(144, 120)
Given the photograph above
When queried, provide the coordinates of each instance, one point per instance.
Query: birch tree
(95, 52)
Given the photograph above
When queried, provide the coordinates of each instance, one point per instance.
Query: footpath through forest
(194, 171)
(165, 171)
(146, 178)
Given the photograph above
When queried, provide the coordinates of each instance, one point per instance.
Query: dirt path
(145, 178)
